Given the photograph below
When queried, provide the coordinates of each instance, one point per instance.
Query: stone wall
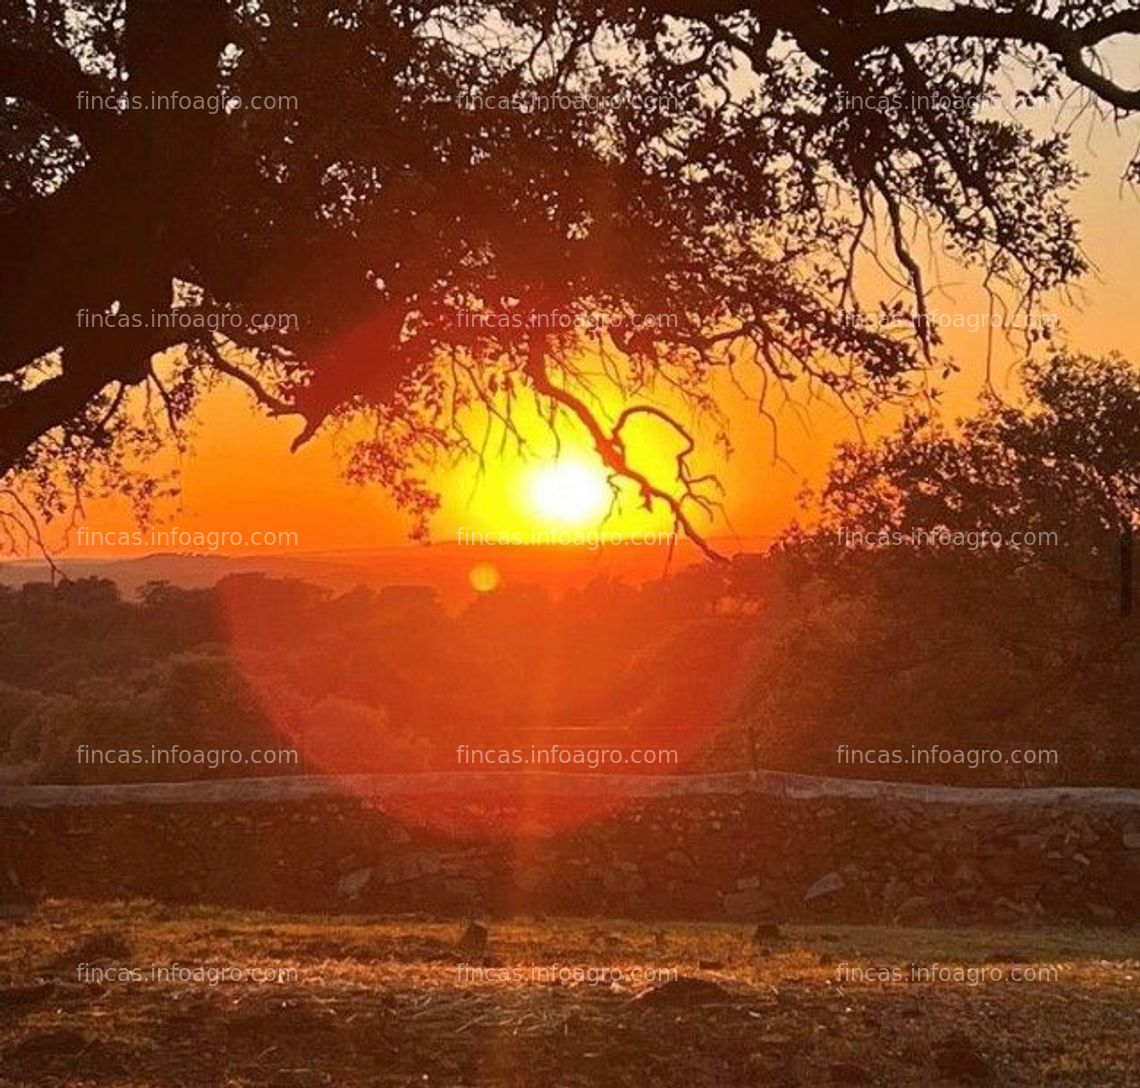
(743, 856)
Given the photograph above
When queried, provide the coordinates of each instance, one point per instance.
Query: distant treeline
(790, 656)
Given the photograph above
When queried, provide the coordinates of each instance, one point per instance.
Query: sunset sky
(241, 475)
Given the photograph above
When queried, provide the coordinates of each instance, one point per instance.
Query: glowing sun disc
(569, 492)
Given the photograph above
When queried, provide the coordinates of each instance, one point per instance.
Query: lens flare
(484, 577)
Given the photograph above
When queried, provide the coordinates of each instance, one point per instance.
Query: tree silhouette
(732, 162)
(1056, 477)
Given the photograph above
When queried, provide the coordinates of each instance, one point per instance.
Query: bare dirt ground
(557, 1003)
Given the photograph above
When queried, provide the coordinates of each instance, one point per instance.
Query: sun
(569, 492)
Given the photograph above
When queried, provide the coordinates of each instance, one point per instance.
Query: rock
(26, 995)
(407, 867)
(48, 1044)
(1012, 867)
(957, 1057)
(916, 910)
(827, 884)
(744, 906)
(766, 931)
(1101, 913)
(1007, 910)
(100, 946)
(966, 872)
(461, 887)
(849, 1073)
(622, 881)
(473, 942)
(684, 992)
(352, 884)
(895, 894)
(1004, 956)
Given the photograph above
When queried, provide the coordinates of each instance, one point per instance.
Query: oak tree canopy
(731, 164)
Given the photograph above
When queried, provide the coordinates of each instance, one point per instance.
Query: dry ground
(388, 1002)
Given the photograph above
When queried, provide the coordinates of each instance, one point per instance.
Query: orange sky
(242, 477)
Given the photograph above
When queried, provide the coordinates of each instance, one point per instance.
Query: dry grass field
(89, 995)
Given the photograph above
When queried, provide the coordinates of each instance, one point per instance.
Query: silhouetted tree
(1056, 476)
(735, 194)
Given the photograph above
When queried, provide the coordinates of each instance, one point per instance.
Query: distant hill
(446, 567)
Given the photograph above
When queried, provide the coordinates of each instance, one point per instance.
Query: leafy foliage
(739, 167)
(799, 652)
(1057, 476)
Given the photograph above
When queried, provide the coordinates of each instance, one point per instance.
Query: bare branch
(611, 448)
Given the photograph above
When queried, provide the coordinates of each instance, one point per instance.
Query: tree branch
(824, 36)
(46, 75)
(611, 448)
